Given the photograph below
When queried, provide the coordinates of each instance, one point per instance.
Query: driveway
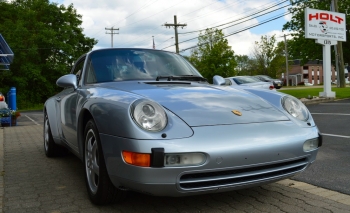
(31, 182)
(331, 169)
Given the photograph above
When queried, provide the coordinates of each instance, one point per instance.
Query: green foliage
(242, 63)
(269, 58)
(46, 38)
(245, 65)
(213, 56)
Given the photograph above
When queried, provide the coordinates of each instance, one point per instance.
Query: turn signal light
(137, 159)
(271, 87)
(1, 98)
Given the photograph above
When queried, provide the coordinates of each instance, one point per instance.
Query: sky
(141, 21)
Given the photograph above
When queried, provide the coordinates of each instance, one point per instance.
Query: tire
(99, 186)
(50, 147)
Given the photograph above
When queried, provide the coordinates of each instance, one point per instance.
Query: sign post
(327, 89)
(327, 28)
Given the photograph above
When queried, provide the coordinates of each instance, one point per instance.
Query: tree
(307, 49)
(46, 39)
(267, 56)
(278, 63)
(242, 62)
(213, 56)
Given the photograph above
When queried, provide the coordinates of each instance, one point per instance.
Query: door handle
(58, 99)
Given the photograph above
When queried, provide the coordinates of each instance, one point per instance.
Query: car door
(68, 107)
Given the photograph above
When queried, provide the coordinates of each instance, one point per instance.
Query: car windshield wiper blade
(181, 78)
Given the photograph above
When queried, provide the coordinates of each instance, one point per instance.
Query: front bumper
(238, 156)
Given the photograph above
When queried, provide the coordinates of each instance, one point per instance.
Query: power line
(236, 24)
(150, 17)
(142, 7)
(215, 11)
(245, 17)
(246, 12)
(247, 28)
(269, 6)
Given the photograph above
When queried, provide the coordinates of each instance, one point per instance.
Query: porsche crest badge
(236, 112)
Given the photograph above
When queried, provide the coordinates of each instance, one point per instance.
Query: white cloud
(139, 20)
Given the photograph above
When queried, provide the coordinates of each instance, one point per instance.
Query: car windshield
(265, 77)
(245, 80)
(136, 64)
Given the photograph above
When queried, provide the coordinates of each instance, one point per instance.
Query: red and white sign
(321, 24)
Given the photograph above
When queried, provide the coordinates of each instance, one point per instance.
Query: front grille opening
(229, 177)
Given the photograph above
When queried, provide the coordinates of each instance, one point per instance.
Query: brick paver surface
(30, 182)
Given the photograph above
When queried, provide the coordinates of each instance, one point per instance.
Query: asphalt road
(331, 170)
(30, 118)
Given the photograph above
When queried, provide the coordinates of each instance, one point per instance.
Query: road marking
(31, 120)
(330, 114)
(35, 114)
(339, 136)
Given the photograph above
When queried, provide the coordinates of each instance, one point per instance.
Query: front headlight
(295, 108)
(149, 115)
(311, 144)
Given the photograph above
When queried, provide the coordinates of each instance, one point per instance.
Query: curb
(322, 192)
(316, 100)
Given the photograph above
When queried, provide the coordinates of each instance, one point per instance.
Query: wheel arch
(50, 110)
(84, 117)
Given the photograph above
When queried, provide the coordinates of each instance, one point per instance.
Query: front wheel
(100, 188)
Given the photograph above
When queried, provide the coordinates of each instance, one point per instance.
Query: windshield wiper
(182, 78)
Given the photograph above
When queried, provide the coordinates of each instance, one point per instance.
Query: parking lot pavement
(30, 182)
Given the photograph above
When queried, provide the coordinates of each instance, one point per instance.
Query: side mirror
(69, 80)
(218, 80)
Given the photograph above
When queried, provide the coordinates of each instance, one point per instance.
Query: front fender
(274, 98)
(111, 113)
(50, 107)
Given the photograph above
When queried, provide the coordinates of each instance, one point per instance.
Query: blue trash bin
(12, 101)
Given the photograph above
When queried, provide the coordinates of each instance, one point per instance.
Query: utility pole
(286, 52)
(336, 53)
(176, 25)
(112, 33)
(339, 52)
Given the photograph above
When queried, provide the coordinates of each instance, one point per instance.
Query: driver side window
(78, 69)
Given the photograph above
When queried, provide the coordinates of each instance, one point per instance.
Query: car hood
(203, 104)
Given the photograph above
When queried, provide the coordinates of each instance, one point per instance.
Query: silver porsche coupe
(146, 120)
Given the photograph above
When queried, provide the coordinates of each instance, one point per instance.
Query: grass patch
(32, 107)
(340, 93)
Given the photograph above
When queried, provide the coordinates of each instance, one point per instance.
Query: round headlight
(149, 115)
(295, 108)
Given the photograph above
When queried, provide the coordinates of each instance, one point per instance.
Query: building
(311, 72)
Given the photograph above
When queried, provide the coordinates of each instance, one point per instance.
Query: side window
(228, 82)
(78, 69)
(90, 77)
